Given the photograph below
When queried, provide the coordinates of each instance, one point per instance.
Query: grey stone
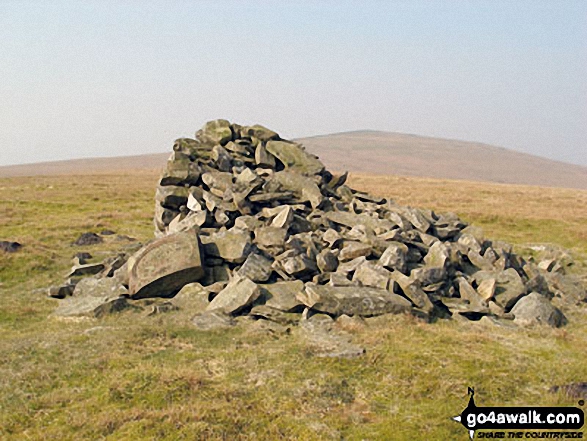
(89, 269)
(394, 257)
(509, 288)
(213, 320)
(283, 295)
(233, 245)
(222, 158)
(351, 219)
(363, 301)
(9, 246)
(274, 315)
(88, 239)
(299, 266)
(257, 268)
(372, 274)
(326, 261)
(93, 297)
(428, 275)
(304, 188)
(99, 287)
(270, 236)
(437, 256)
(61, 292)
(331, 236)
(468, 293)
(486, 288)
(238, 294)
(416, 295)
(215, 132)
(568, 288)
(350, 266)
(180, 170)
(247, 223)
(294, 157)
(165, 265)
(536, 309)
(172, 197)
(263, 158)
(340, 279)
(260, 132)
(193, 297)
(351, 250)
(284, 218)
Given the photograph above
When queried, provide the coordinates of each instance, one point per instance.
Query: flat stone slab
(164, 266)
(352, 300)
(93, 306)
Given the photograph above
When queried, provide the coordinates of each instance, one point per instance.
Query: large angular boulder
(536, 309)
(165, 265)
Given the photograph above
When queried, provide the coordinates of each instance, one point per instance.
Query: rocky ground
(250, 225)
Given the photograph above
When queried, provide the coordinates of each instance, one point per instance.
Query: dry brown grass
(130, 376)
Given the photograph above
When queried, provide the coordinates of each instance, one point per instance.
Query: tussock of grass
(129, 376)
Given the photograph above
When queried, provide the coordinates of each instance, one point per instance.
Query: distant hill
(374, 153)
(412, 155)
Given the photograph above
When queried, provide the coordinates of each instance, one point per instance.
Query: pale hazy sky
(109, 78)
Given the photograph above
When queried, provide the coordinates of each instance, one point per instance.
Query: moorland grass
(132, 376)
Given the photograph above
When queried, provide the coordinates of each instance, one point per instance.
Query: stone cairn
(247, 223)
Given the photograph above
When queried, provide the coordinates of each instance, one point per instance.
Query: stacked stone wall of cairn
(263, 229)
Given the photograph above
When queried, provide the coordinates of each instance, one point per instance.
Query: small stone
(172, 197)
(88, 239)
(61, 292)
(299, 266)
(437, 256)
(352, 250)
(284, 218)
(9, 247)
(264, 158)
(394, 257)
(270, 236)
(327, 261)
(303, 188)
(468, 293)
(340, 279)
(372, 274)
(257, 268)
(215, 132)
(283, 295)
(509, 288)
(86, 270)
(330, 236)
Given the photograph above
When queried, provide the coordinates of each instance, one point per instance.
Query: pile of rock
(268, 231)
